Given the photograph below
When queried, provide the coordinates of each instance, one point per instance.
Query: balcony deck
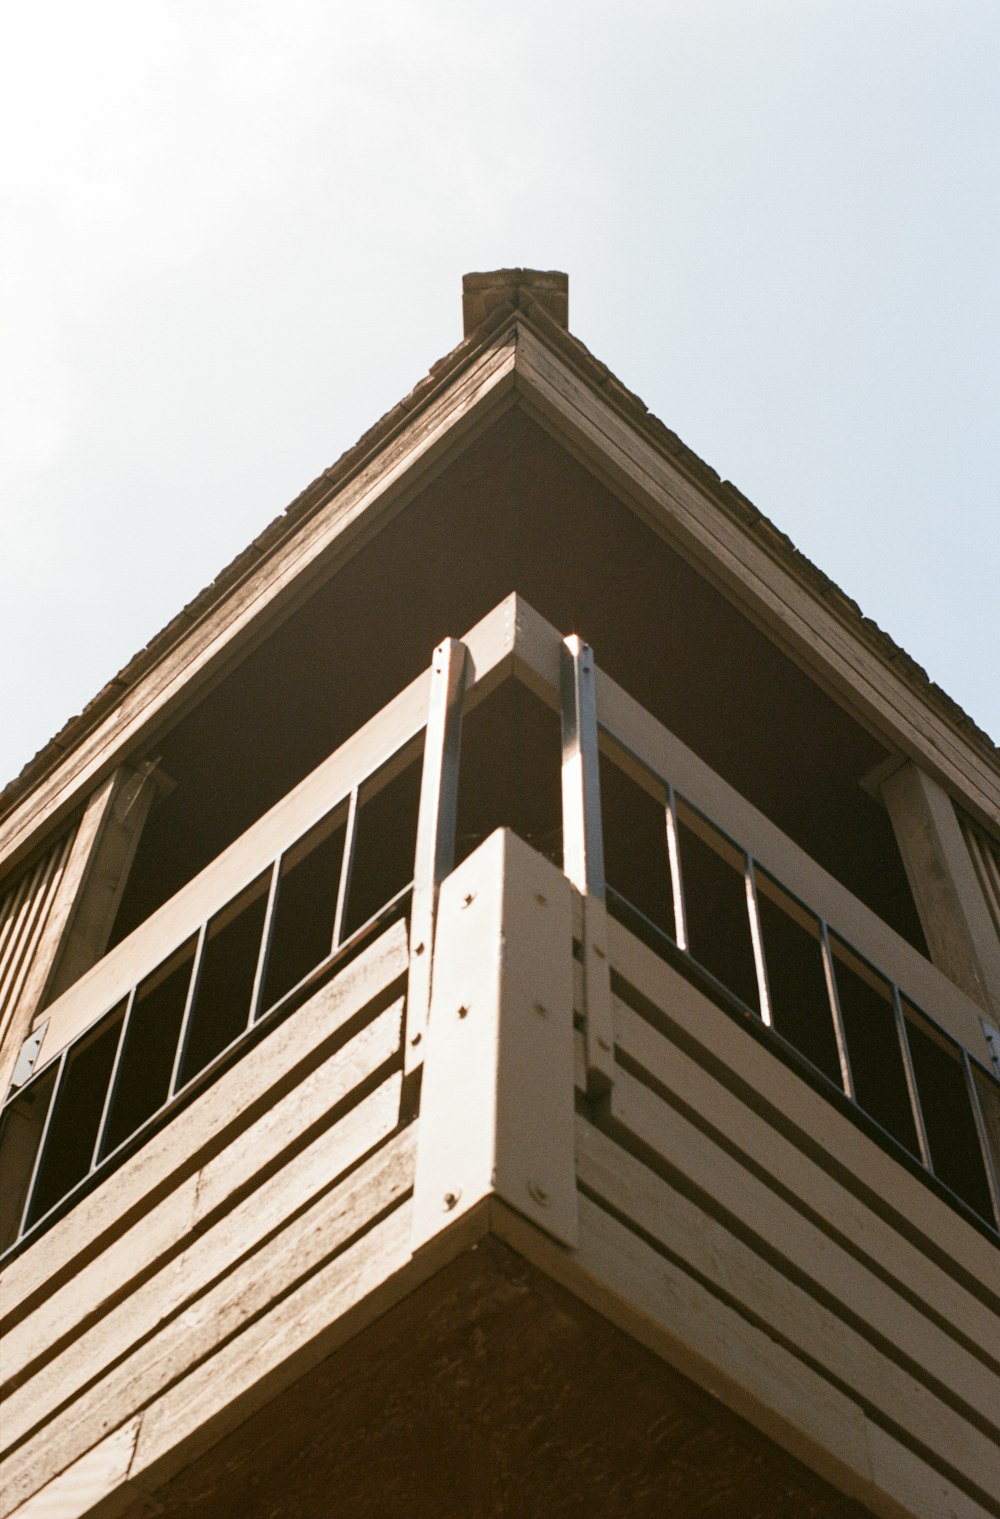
(586, 1149)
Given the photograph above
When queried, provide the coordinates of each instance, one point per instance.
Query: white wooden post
(497, 1098)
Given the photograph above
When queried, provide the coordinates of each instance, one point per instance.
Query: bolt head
(450, 1199)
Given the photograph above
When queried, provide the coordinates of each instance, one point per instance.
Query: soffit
(524, 357)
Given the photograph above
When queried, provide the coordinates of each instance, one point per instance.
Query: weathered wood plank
(182, 1147)
(175, 1289)
(889, 1208)
(887, 1367)
(778, 1194)
(92, 1293)
(752, 1373)
(90, 1481)
(241, 1294)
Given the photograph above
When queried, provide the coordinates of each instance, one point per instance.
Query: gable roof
(519, 322)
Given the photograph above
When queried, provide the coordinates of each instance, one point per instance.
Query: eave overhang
(521, 358)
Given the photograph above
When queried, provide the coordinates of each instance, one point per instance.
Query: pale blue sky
(232, 235)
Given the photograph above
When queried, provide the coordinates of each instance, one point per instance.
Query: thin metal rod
(346, 870)
(911, 1079)
(676, 879)
(982, 1134)
(112, 1081)
(757, 940)
(29, 1196)
(436, 822)
(189, 1002)
(264, 953)
(836, 1012)
(583, 838)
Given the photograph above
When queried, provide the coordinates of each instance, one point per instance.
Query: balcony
(512, 962)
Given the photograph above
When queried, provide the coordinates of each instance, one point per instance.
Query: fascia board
(742, 566)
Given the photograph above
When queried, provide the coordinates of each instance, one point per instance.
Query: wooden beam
(953, 913)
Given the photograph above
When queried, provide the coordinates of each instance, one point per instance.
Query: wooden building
(498, 1009)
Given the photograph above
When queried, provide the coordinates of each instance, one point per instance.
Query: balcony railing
(640, 825)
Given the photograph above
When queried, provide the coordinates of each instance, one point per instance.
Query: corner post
(497, 1101)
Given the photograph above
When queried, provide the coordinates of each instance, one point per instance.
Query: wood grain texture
(755, 1271)
(183, 1147)
(879, 1205)
(241, 1294)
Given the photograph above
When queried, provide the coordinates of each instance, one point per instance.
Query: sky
(232, 235)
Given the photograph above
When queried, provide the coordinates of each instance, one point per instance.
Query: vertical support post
(982, 1135)
(583, 851)
(189, 1001)
(29, 1196)
(435, 850)
(757, 941)
(953, 912)
(346, 869)
(836, 1011)
(676, 879)
(264, 952)
(911, 1078)
(497, 1111)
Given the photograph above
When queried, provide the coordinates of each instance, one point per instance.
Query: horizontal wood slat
(124, 1205)
(241, 1186)
(226, 1304)
(755, 1375)
(836, 1171)
(761, 1271)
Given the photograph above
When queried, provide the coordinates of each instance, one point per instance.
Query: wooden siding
(25, 916)
(986, 862)
(197, 1246)
(709, 1201)
(781, 1251)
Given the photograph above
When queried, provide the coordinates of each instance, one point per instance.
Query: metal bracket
(27, 1057)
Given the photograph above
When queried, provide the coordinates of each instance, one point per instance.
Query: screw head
(419, 949)
(469, 898)
(463, 1011)
(450, 1199)
(538, 1193)
(541, 1009)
